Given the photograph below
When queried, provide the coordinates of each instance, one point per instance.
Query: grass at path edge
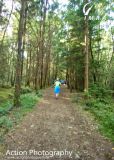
(10, 116)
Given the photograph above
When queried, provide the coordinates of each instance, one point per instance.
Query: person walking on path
(57, 85)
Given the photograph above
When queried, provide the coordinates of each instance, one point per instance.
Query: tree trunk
(44, 4)
(86, 55)
(23, 42)
(19, 58)
(94, 71)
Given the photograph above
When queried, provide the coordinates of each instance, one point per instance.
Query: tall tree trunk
(45, 2)
(47, 59)
(86, 81)
(23, 41)
(37, 69)
(92, 57)
(28, 68)
(19, 58)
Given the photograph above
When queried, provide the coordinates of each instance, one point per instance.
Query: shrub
(5, 122)
(28, 100)
(103, 110)
(25, 90)
(39, 93)
(5, 108)
(99, 91)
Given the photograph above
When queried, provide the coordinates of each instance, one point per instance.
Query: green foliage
(5, 107)
(100, 103)
(92, 104)
(6, 122)
(28, 100)
(103, 110)
(99, 91)
(25, 90)
(5, 93)
(87, 94)
(39, 93)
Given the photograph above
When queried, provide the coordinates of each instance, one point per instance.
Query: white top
(57, 83)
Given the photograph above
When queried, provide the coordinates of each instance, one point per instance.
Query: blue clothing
(57, 89)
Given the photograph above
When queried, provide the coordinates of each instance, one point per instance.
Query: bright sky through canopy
(8, 4)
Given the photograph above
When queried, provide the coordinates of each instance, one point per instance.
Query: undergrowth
(99, 101)
(10, 116)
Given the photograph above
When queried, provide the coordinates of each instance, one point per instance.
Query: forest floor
(58, 127)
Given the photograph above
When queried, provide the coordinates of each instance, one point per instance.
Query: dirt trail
(58, 125)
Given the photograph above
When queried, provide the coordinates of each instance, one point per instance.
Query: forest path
(58, 125)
